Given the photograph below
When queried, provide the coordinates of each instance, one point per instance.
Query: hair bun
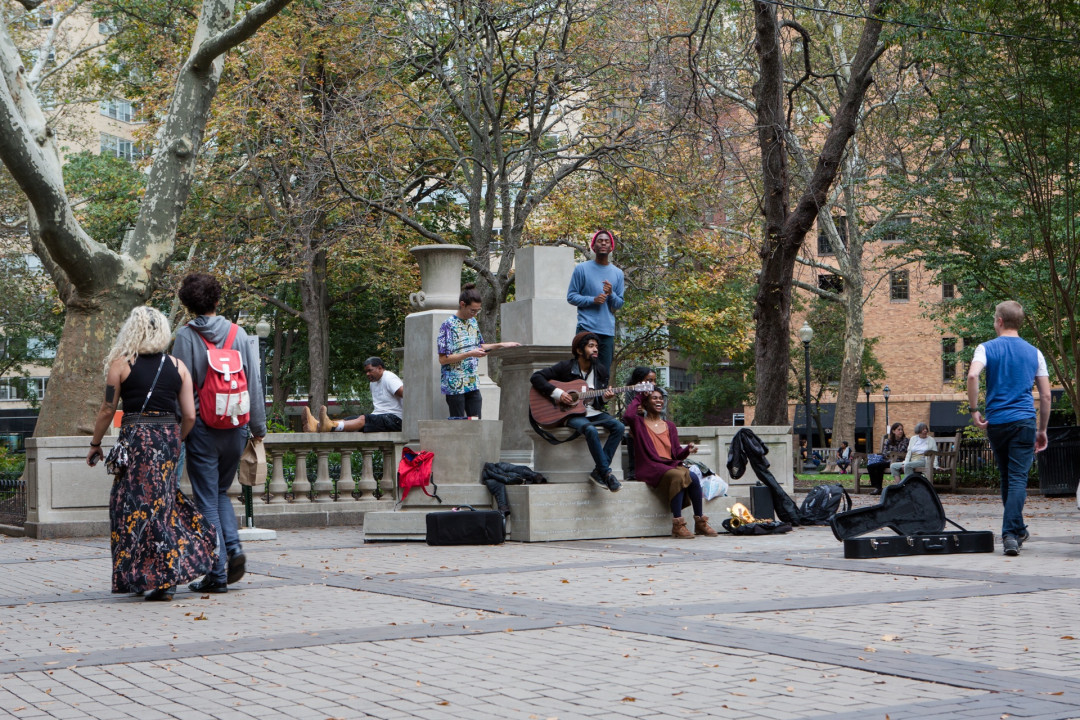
(468, 286)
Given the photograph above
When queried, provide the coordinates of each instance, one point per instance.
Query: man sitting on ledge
(386, 394)
(585, 365)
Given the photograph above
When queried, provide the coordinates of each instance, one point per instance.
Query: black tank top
(134, 388)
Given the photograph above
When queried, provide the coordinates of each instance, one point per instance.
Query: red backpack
(224, 402)
(414, 470)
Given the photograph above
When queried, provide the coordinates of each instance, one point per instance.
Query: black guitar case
(912, 509)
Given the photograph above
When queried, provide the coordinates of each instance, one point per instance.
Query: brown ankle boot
(325, 423)
(701, 526)
(308, 421)
(679, 529)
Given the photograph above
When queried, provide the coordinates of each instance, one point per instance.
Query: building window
(948, 291)
(121, 148)
(121, 110)
(898, 286)
(896, 229)
(831, 282)
(23, 388)
(823, 245)
(948, 359)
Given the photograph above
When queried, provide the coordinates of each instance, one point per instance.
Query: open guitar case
(912, 509)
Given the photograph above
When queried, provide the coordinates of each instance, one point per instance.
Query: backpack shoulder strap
(231, 337)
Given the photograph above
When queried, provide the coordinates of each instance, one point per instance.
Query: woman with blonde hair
(158, 537)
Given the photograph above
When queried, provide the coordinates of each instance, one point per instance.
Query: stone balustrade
(357, 479)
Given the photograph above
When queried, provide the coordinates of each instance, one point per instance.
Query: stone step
(579, 511)
(561, 511)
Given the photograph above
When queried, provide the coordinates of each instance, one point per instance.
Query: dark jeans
(601, 454)
(1014, 448)
(465, 405)
(212, 459)
(607, 351)
(877, 474)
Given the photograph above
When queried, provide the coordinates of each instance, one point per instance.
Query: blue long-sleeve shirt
(585, 284)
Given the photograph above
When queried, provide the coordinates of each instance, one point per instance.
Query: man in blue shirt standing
(596, 289)
(1012, 366)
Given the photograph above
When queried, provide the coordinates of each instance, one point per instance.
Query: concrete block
(569, 462)
(543, 272)
(388, 525)
(580, 511)
(65, 497)
(716, 441)
(420, 371)
(461, 447)
(539, 321)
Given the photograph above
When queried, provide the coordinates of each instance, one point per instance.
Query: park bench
(941, 468)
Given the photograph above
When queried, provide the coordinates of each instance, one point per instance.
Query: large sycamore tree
(99, 286)
(492, 106)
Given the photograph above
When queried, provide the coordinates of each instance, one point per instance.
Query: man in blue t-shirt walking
(596, 289)
(1012, 366)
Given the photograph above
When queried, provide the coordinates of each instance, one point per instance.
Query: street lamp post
(885, 393)
(867, 388)
(806, 334)
(262, 329)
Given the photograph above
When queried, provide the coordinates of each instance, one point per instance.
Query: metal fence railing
(12, 499)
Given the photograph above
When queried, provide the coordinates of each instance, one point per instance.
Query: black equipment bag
(465, 525)
(940, 543)
(761, 505)
(912, 509)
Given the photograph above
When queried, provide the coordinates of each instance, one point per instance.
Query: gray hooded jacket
(192, 350)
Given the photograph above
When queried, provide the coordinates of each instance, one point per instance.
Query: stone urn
(440, 276)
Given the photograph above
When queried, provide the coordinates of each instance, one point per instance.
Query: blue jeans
(606, 344)
(213, 457)
(601, 454)
(1014, 448)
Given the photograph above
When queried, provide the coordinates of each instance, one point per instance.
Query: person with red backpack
(229, 403)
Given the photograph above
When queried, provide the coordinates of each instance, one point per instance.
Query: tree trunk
(851, 370)
(316, 314)
(785, 230)
(77, 382)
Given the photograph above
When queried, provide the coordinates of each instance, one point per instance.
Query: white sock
(340, 426)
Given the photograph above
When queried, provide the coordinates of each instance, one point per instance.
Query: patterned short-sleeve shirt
(455, 336)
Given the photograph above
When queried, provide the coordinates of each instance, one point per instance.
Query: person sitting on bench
(658, 456)
(387, 391)
(843, 456)
(585, 365)
(916, 458)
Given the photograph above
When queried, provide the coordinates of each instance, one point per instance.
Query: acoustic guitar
(548, 413)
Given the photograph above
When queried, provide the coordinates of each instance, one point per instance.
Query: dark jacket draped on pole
(747, 447)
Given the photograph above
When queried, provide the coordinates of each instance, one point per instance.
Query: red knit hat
(610, 234)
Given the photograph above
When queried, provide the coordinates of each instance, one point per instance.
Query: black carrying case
(465, 525)
(941, 543)
(912, 509)
(761, 504)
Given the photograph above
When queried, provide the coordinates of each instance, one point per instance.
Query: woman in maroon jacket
(657, 456)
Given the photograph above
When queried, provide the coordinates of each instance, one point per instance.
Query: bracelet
(93, 444)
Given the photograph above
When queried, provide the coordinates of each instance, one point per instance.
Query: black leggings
(465, 405)
(695, 499)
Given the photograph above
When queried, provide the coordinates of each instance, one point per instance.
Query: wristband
(93, 444)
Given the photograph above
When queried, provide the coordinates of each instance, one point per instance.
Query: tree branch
(213, 47)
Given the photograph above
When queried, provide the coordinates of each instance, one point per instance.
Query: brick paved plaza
(324, 626)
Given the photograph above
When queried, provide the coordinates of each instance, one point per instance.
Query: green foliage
(725, 389)
(11, 462)
(1003, 223)
(108, 190)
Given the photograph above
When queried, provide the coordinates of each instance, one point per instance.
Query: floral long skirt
(159, 539)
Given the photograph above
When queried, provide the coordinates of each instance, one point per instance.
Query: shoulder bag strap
(152, 385)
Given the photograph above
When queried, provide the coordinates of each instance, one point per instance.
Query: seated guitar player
(585, 366)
